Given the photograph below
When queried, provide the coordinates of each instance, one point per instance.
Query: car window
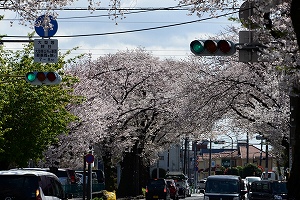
(222, 186)
(156, 183)
(261, 187)
(23, 187)
(47, 186)
(60, 173)
(57, 188)
(280, 188)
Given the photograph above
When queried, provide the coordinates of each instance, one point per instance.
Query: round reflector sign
(89, 158)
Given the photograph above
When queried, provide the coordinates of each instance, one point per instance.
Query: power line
(134, 30)
(139, 10)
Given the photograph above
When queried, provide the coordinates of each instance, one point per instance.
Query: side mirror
(202, 191)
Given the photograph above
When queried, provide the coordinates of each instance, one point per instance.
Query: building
(169, 160)
(173, 159)
(232, 158)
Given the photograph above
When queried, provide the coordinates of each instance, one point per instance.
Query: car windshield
(222, 186)
(251, 179)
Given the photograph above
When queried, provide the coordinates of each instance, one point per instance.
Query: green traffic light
(197, 46)
(31, 76)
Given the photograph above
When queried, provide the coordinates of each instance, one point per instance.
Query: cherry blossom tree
(262, 101)
(278, 29)
(132, 111)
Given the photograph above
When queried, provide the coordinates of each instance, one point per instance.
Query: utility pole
(267, 161)
(185, 156)
(247, 146)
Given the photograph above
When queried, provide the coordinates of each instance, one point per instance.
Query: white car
(250, 179)
(30, 184)
(201, 184)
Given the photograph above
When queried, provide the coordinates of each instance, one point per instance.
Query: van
(224, 187)
(30, 185)
(157, 189)
(268, 190)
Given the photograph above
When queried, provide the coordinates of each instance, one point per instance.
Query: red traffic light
(43, 78)
(224, 46)
(51, 76)
(212, 47)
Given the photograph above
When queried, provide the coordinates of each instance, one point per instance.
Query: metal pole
(231, 150)
(195, 166)
(157, 168)
(247, 147)
(84, 178)
(89, 194)
(209, 163)
(267, 162)
(185, 156)
(261, 148)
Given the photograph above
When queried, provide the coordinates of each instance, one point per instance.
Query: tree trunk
(133, 175)
(127, 183)
(293, 180)
(110, 173)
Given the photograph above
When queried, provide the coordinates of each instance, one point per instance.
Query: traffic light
(212, 47)
(43, 78)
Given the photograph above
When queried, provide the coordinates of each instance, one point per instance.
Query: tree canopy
(31, 116)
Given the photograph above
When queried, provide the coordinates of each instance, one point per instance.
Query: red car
(173, 189)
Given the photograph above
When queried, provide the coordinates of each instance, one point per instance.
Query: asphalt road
(193, 197)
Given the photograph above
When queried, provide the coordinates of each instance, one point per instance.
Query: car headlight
(277, 197)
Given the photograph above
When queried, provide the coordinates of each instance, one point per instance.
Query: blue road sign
(89, 158)
(45, 28)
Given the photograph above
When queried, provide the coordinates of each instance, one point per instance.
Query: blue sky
(163, 42)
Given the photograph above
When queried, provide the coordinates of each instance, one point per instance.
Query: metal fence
(77, 189)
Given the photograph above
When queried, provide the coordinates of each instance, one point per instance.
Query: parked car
(30, 185)
(184, 188)
(270, 176)
(157, 189)
(173, 189)
(224, 187)
(201, 183)
(250, 179)
(79, 174)
(244, 190)
(181, 181)
(268, 190)
(65, 176)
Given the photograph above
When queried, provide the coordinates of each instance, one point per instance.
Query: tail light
(165, 189)
(147, 190)
(73, 179)
(38, 195)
